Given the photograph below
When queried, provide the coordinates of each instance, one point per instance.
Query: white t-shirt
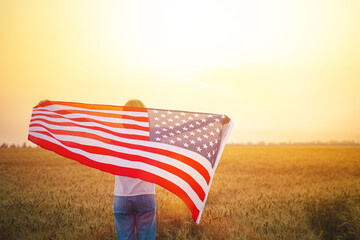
(127, 186)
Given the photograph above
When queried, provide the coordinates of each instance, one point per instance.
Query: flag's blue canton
(197, 132)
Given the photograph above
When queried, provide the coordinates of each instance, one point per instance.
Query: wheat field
(258, 192)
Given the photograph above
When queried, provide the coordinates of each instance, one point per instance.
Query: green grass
(288, 192)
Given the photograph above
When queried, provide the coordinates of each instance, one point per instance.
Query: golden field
(258, 192)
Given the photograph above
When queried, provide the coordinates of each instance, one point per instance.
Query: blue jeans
(135, 212)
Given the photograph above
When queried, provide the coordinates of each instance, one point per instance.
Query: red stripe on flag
(92, 106)
(68, 124)
(134, 173)
(189, 161)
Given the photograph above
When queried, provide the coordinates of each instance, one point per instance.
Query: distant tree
(4, 145)
(348, 142)
(24, 145)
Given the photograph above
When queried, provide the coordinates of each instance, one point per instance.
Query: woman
(134, 203)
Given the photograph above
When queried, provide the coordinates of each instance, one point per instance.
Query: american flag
(177, 150)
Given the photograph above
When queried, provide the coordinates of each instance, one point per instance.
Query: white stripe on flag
(221, 149)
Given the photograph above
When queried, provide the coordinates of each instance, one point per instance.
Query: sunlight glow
(280, 69)
(202, 33)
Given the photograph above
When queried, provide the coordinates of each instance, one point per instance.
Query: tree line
(260, 143)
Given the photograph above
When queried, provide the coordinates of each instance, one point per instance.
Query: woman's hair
(134, 103)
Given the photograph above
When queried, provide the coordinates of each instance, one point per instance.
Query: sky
(282, 70)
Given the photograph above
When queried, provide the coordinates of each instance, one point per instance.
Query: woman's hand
(42, 101)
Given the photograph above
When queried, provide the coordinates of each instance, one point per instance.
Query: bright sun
(201, 33)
